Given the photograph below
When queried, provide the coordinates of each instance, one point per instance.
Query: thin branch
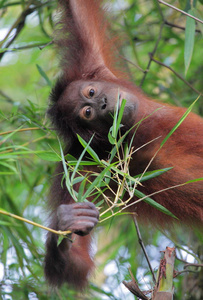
(143, 247)
(182, 11)
(132, 63)
(36, 45)
(184, 271)
(160, 11)
(59, 232)
(199, 266)
(178, 75)
(22, 129)
(178, 26)
(8, 99)
(133, 287)
(153, 52)
(193, 265)
(19, 25)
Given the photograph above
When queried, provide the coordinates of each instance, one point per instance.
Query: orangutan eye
(88, 112)
(91, 93)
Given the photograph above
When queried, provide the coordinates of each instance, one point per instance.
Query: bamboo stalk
(58, 232)
(164, 289)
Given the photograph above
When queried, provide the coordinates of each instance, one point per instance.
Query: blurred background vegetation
(28, 69)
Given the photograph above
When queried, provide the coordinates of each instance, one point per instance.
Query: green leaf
(81, 189)
(70, 157)
(99, 203)
(96, 183)
(89, 149)
(9, 166)
(77, 180)
(199, 15)
(179, 123)
(4, 223)
(118, 114)
(49, 156)
(72, 161)
(63, 160)
(194, 180)
(153, 203)
(44, 75)
(152, 174)
(8, 136)
(60, 239)
(189, 40)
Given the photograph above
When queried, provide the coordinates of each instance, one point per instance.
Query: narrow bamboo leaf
(17, 245)
(115, 118)
(63, 160)
(194, 180)
(152, 174)
(1, 209)
(96, 183)
(72, 161)
(179, 123)
(120, 114)
(118, 145)
(189, 40)
(123, 174)
(107, 177)
(120, 141)
(153, 203)
(8, 136)
(7, 173)
(82, 163)
(71, 190)
(44, 75)
(88, 148)
(9, 166)
(4, 223)
(77, 179)
(110, 137)
(60, 239)
(81, 190)
(70, 157)
(49, 156)
(198, 14)
(14, 147)
(99, 203)
(67, 180)
(15, 154)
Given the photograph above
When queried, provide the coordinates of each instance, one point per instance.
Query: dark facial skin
(95, 101)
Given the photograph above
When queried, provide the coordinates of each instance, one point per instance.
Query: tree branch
(182, 11)
(143, 247)
(153, 52)
(178, 75)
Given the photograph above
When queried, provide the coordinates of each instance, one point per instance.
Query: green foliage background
(29, 67)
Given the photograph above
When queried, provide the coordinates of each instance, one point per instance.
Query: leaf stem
(58, 232)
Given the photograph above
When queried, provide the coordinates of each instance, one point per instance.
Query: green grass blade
(179, 123)
(89, 149)
(153, 203)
